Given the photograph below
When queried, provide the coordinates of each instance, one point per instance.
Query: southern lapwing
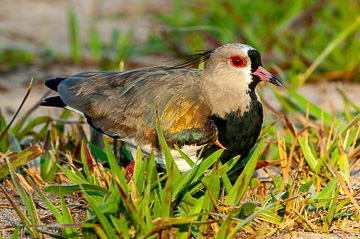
(214, 107)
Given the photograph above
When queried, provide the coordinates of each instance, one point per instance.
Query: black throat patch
(255, 59)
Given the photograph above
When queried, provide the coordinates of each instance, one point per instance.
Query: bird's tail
(53, 83)
(55, 101)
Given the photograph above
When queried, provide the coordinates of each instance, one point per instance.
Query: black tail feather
(55, 101)
(53, 83)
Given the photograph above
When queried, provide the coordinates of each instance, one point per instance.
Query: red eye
(237, 61)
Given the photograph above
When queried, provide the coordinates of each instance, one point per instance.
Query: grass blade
(168, 157)
(107, 226)
(308, 154)
(24, 219)
(74, 37)
(28, 202)
(243, 181)
(331, 46)
(71, 232)
(329, 218)
(4, 131)
(20, 159)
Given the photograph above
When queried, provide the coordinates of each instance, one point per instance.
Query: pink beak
(266, 76)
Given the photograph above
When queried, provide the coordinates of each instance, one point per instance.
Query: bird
(198, 109)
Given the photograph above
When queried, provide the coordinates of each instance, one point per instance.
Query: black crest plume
(194, 60)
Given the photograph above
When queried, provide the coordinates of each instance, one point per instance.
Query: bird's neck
(227, 92)
(224, 100)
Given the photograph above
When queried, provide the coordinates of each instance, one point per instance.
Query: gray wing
(123, 104)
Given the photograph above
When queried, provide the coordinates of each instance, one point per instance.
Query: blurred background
(312, 45)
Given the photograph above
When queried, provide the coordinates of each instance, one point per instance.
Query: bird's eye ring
(237, 61)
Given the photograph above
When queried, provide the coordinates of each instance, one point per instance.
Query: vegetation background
(308, 151)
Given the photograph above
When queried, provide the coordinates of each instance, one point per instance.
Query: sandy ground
(40, 23)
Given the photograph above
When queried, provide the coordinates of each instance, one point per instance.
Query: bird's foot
(130, 170)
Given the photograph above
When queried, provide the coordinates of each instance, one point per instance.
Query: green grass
(314, 150)
(75, 41)
(291, 35)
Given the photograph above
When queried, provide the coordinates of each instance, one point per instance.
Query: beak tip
(276, 81)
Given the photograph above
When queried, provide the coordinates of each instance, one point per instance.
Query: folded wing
(122, 105)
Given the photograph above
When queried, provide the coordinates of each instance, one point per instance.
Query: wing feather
(123, 104)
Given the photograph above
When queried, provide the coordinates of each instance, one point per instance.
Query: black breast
(238, 131)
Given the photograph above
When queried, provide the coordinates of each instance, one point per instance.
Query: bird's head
(239, 64)
(230, 78)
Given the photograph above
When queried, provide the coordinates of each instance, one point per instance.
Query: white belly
(183, 166)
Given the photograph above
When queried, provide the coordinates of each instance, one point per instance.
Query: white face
(228, 76)
(233, 61)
